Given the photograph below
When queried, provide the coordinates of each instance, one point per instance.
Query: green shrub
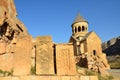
(105, 77)
(33, 70)
(114, 62)
(1, 72)
(89, 72)
(6, 73)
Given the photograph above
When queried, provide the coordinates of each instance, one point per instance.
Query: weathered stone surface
(44, 55)
(74, 78)
(45, 77)
(93, 78)
(55, 78)
(15, 78)
(30, 77)
(22, 56)
(34, 77)
(5, 78)
(65, 78)
(84, 78)
(11, 29)
(65, 62)
(8, 15)
(6, 62)
(2, 48)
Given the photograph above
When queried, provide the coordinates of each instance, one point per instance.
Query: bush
(114, 62)
(33, 70)
(105, 77)
(6, 73)
(89, 72)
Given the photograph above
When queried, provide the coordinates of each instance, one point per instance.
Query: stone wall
(18, 57)
(33, 77)
(93, 44)
(51, 61)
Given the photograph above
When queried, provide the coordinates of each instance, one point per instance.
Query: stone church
(87, 45)
(22, 56)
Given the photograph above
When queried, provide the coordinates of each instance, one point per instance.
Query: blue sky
(54, 17)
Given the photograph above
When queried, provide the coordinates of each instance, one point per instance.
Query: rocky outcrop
(10, 26)
(112, 47)
(13, 41)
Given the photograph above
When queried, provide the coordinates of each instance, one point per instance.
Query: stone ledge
(33, 77)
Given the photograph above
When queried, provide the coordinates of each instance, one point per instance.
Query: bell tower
(79, 27)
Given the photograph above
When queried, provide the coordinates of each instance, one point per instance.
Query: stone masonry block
(65, 78)
(65, 62)
(44, 78)
(55, 78)
(5, 78)
(6, 62)
(15, 78)
(30, 77)
(22, 56)
(2, 48)
(84, 78)
(93, 78)
(74, 78)
(44, 56)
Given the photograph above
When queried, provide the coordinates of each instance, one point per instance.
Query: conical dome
(79, 19)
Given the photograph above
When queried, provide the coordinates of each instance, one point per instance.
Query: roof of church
(79, 18)
(86, 36)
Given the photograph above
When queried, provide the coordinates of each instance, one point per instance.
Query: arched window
(86, 28)
(79, 28)
(75, 29)
(83, 28)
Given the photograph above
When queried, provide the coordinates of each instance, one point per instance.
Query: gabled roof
(79, 18)
(85, 37)
(88, 35)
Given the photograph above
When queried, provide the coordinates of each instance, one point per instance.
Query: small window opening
(79, 29)
(75, 29)
(86, 29)
(94, 52)
(83, 28)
